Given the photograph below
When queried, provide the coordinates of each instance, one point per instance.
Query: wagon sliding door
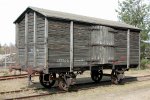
(102, 43)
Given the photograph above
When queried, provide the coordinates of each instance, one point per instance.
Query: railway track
(17, 91)
(14, 77)
(77, 87)
(2, 71)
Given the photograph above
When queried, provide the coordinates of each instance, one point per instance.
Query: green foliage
(145, 50)
(137, 13)
(144, 62)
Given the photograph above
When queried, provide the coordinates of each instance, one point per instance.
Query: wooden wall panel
(40, 50)
(134, 48)
(121, 47)
(82, 36)
(30, 39)
(58, 43)
(21, 42)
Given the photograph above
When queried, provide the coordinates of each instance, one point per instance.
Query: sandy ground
(131, 91)
(128, 91)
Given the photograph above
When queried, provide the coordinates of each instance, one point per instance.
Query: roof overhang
(77, 18)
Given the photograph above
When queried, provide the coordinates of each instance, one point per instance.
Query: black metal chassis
(85, 68)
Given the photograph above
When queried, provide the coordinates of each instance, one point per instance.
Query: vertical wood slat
(26, 39)
(17, 43)
(128, 48)
(90, 51)
(139, 52)
(34, 38)
(46, 43)
(71, 46)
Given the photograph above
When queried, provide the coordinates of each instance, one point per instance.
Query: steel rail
(14, 77)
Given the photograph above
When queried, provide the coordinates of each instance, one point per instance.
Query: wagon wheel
(96, 75)
(47, 82)
(114, 79)
(63, 85)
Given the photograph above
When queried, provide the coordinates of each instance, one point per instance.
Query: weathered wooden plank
(46, 43)
(71, 46)
(128, 48)
(35, 39)
(40, 40)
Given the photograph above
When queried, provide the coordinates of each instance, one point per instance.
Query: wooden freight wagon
(51, 43)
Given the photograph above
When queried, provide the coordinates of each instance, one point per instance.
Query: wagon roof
(79, 18)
